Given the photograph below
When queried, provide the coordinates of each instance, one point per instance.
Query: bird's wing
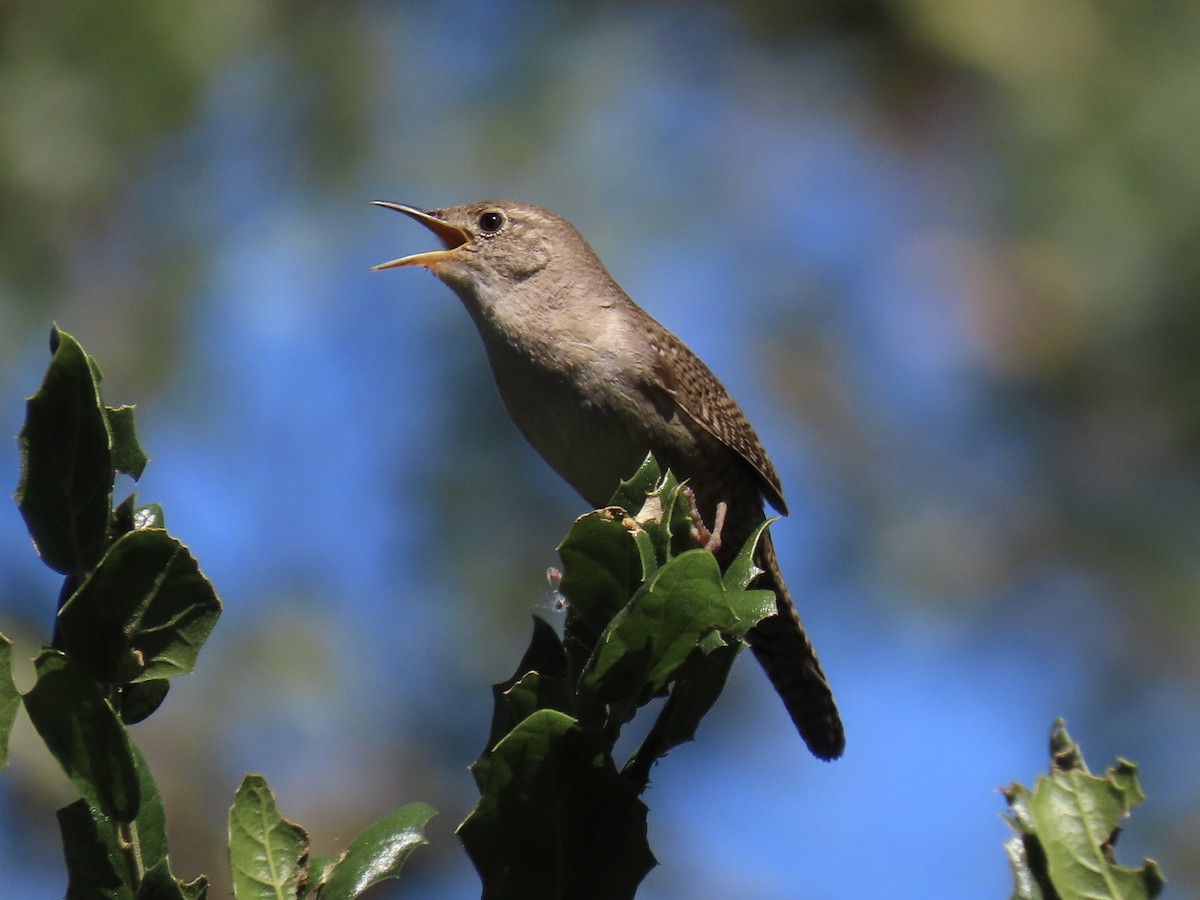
(702, 398)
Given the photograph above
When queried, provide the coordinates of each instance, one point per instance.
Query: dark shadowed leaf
(130, 516)
(143, 613)
(141, 698)
(601, 566)
(543, 655)
(127, 454)
(65, 491)
(555, 819)
(84, 734)
(93, 860)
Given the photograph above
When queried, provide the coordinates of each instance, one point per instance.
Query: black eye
(491, 221)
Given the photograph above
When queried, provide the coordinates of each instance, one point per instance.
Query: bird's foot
(709, 539)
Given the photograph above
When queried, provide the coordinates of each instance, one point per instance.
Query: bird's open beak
(449, 235)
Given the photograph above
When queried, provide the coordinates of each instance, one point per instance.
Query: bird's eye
(491, 221)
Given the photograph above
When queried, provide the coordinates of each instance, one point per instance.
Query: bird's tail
(785, 653)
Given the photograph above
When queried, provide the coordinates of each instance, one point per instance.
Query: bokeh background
(944, 253)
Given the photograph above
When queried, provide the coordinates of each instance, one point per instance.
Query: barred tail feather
(785, 653)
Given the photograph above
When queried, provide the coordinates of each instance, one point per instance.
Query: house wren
(594, 383)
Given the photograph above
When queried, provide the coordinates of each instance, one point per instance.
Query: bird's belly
(591, 446)
(592, 438)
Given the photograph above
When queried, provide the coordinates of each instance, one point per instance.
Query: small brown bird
(594, 383)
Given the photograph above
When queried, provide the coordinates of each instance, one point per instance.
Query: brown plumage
(593, 382)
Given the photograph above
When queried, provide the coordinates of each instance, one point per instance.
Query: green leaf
(665, 518)
(652, 637)
(127, 454)
(65, 490)
(93, 860)
(143, 613)
(149, 515)
(1031, 881)
(536, 691)
(10, 698)
(1068, 826)
(81, 730)
(555, 819)
(150, 826)
(130, 516)
(742, 570)
(93, 847)
(543, 655)
(379, 852)
(632, 492)
(267, 853)
(159, 884)
(601, 567)
(140, 699)
(699, 682)
(319, 870)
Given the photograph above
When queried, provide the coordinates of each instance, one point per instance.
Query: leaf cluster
(133, 612)
(649, 616)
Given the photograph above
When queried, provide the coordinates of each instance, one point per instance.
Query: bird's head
(490, 245)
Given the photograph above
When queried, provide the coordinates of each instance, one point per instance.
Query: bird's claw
(709, 539)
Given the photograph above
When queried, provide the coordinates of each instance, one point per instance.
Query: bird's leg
(710, 540)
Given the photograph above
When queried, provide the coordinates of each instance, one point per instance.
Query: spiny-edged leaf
(122, 516)
(143, 613)
(648, 553)
(93, 860)
(536, 691)
(379, 852)
(632, 492)
(1068, 827)
(698, 684)
(742, 570)
(141, 698)
(65, 491)
(601, 567)
(319, 870)
(158, 883)
(555, 819)
(544, 655)
(654, 635)
(1077, 815)
(10, 698)
(84, 734)
(196, 889)
(665, 517)
(267, 853)
(127, 454)
(1031, 881)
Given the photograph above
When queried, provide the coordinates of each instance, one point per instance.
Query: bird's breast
(583, 411)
